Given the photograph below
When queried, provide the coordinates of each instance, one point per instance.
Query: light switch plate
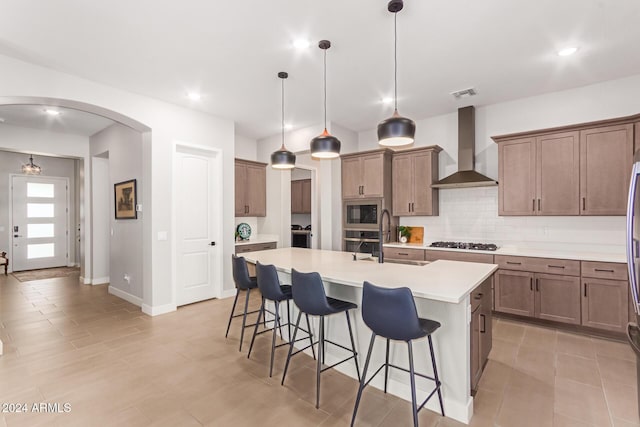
(162, 235)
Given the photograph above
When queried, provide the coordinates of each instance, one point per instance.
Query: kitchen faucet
(380, 236)
(357, 249)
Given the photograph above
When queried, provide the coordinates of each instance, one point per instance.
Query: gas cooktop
(462, 245)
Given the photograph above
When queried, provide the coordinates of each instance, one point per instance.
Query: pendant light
(396, 130)
(283, 158)
(31, 168)
(325, 145)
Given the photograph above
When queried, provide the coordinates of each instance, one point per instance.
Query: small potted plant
(404, 233)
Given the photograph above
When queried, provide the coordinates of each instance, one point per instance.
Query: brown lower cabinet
(252, 247)
(544, 296)
(480, 329)
(605, 304)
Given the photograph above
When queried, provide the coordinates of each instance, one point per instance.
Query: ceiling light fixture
(567, 51)
(194, 96)
(31, 168)
(52, 112)
(325, 145)
(283, 158)
(301, 43)
(396, 130)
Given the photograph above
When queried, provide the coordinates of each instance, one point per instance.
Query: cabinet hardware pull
(604, 270)
(514, 263)
(479, 296)
(539, 205)
(484, 324)
(403, 253)
(537, 287)
(409, 206)
(584, 201)
(533, 205)
(555, 266)
(585, 289)
(531, 283)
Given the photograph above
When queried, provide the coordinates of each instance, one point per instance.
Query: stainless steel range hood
(466, 176)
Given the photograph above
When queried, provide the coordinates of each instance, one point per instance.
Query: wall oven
(362, 214)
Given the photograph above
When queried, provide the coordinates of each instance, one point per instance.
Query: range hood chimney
(466, 175)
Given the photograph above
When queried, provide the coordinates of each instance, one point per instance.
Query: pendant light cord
(283, 114)
(395, 59)
(325, 88)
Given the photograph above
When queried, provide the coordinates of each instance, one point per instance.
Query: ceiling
(231, 52)
(68, 121)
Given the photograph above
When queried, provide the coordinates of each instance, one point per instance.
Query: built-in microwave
(362, 213)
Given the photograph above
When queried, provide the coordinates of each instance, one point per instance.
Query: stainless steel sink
(396, 261)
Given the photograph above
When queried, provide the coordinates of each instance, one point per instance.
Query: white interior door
(198, 268)
(40, 224)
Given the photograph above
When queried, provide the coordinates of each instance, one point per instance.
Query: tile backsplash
(471, 214)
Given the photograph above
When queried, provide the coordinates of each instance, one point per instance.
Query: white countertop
(586, 254)
(259, 238)
(447, 281)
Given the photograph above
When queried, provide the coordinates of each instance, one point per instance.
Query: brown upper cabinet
(301, 196)
(413, 173)
(366, 174)
(250, 188)
(573, 170)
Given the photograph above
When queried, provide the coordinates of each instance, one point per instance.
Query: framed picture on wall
(126, 199)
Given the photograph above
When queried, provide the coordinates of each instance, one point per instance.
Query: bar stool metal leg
(233, 309)
(363, 380)
(414, 403)
(273, 337)
(435, 375)
(320, 360)
(244, 317)
(386, 367)
(295, 332)
(255, 330)
(289, 321)
(310, 337)
(353, 345)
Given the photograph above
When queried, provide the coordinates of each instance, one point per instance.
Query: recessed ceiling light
(567, 51)
(52, 112)
(194, 96)
(301, 43)
(387, 100)
(288, 126)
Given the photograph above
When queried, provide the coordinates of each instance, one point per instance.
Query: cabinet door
(557, 298)
(517, 177)
(240, 186)
(256, 190)
(514, 292)
(306, 196)
(296, 197)
(606, 158)
(372, 167)
(476, 351)
(423, 173)
(605, 304)
(402, 179)
(351, 178)
(558, 174)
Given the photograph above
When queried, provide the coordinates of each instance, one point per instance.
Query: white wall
(124, 148)
(101, 191)
(44, 142)
(168, 123)
(472, 214)
(246, 148)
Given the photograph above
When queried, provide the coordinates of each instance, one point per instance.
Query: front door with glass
(40, 222)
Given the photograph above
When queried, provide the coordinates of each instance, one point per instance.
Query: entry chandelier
(396, 130)
(325, 145)
(283, 158)
(31, 168)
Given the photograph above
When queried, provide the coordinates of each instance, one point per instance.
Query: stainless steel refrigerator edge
(633, 258)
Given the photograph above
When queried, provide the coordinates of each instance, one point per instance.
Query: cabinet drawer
(604, 270)
(255, 247)
(402, 253)
(539, 265)
(458, 256)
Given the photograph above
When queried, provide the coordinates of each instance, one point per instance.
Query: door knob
(212, 244)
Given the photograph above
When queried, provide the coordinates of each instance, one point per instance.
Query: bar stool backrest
(390, 313)
(268, 282)
(308, 293)
(241, 273)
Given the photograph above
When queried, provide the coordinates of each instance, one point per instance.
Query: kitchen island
(442, 292)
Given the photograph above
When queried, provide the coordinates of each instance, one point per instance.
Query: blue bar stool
(243, 283)
(392, 314)
(309, 296)
(272, 290)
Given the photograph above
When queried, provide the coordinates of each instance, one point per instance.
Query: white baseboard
(100, 280)
(1, 349)
(228, 293)
(125, 296)
(84, 280)
(157, 310)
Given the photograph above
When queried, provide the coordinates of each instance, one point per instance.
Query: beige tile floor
(71, 343)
